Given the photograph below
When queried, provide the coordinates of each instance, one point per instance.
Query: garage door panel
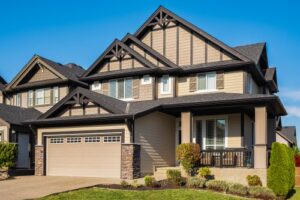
(90, 159)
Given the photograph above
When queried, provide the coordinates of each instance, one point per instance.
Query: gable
(118, 57)
(81, 110)
(183, 43)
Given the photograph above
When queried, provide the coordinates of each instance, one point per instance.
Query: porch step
(161, 172)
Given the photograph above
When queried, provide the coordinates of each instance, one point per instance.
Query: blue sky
(78, 31)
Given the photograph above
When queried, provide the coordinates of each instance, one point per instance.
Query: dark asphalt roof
(252, 51)
(289, 132)
(16, 115)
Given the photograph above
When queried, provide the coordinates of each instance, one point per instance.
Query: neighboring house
(167, 84)
(286, 135)
(38, 86)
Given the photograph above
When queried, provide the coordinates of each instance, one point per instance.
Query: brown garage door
(89, 156)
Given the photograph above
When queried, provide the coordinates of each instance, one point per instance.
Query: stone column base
(130, 161)
(39, 161)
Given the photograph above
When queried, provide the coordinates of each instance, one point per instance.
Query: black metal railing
(227, 158)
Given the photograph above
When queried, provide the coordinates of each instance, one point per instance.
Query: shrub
(7, 154)
(291, 157)
(188, 155)
(261, 193)
(254, 180)
(174, 177)
(150, 181)
(217, 185)
(279, 178)
(124, 184)
(195, 182)
(135, 184)
(204, 172)
(239, 189)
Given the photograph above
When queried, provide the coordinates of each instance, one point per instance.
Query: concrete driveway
(30, 187)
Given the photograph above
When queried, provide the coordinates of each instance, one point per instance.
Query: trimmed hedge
(174, 177)
(261, 193)
(8, 152)
(237, 188)
(217, 185)
(281, 173)
(196, 182)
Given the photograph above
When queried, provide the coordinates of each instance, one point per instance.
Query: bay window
(121, 88)
(206, 81)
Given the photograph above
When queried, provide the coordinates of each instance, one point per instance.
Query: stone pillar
(39, 161)
(261, 129)
(131, 161)
(186, 127)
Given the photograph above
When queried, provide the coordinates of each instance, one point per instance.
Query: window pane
(165, 83)
(211, 81)
(210, 126)
(55, 95)
(39, 97)
(30, 98)
(120, 89)
(202, 82)
(220, 134)
(112, 88)
(128, 88)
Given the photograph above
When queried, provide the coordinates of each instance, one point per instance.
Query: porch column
(260, 147)
(186, 127)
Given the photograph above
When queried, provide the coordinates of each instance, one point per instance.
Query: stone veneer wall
(39, 161)
(131, 161)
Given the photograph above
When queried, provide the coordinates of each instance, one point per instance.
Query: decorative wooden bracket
(162, 19)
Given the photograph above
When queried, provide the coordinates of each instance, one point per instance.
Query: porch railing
(227, 158)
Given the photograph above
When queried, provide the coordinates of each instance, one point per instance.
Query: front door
(23, 160)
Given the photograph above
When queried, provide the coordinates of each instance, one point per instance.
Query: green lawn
(109, 194)
(296, 196)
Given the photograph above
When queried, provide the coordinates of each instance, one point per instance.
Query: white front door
(23, 160)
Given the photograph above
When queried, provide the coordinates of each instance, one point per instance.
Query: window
(249, 84)
(206, 81)
(92, 139)
(146, 79)
(73, 140)
(96, 86)
(112, 139)
(215, 133)
(57, 140)
(165, 84)
(55, 95)
(30, 98)
(43, 96)
(18, 100)
(121, 89)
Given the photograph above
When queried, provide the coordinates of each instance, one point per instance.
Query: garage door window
(73, 140)
(112, 139)
(92, 139)
(57, 140)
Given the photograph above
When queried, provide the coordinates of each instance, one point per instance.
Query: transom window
(73, 140)
(206, 81)
(165, 84)
(146, 79)
(112, 139)
(121, 88)
(57, 140)
(92, 139)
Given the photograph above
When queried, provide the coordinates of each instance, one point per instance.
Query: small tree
(7, 154)
(279, 177)
(188, 155)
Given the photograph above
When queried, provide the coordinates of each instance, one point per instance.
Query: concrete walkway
(30, 187)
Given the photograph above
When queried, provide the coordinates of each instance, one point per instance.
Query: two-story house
(168, 83)
(36, 88)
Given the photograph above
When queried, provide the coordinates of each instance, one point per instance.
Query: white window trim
(206, 90)
(117, 89)
(169, 85)
(143, 82)
(203, 132)
(93, 88)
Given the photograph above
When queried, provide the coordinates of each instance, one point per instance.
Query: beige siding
(102, 127)
(24, 99)
(198, 50)
(127, 64)
(63, 91)
(171, 44)
(91, 110)
(184, 47)
(156, 134)
(146, 91)
(4, 129)
(157, 40)
(234, 82)
(183, 86)
(114, 65)
(41, 75)
(147, 39)
(234, 131)
(104, 68)
(213, 53)
(43, 109)
(1, 97)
